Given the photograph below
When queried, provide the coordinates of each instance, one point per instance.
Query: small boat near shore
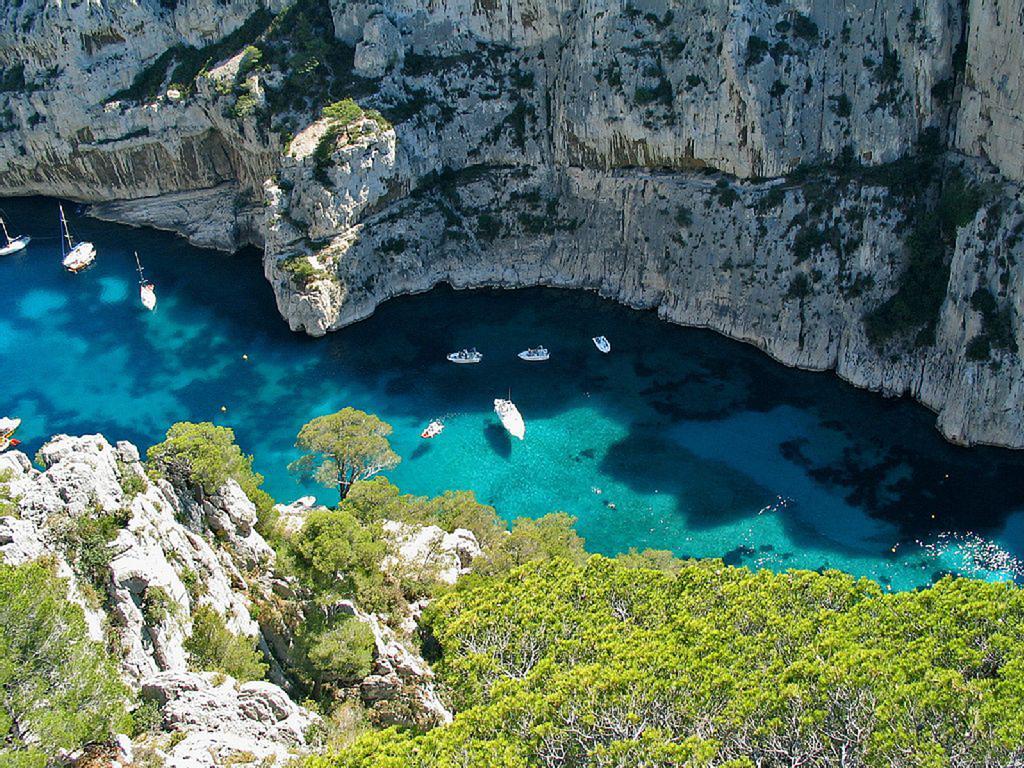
(602, 343)
(74, 256)
(12, 244)
(465, 357)
(7, 428)
(147, 291)
(510, 417)
(434, 428)
(535, 355)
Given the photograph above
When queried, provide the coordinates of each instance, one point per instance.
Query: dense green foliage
(212, 647)
(606, 664)
(58, 689)
(86, 544)
(205, 456)
(343, 447)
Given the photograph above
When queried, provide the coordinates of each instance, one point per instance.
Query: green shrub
(344, 112)
(212, 647)
(87, 542)
(251, 57)
(607, 664)
(204, 456)
(132, 484)
(59, 690)
(8, 501)
(799, 286)
(334, 653)
(158, 606)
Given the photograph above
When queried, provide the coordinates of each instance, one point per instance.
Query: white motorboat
(75, 256)
(510, 417)
(147, 291)
(532, 355)
(602, 344)
(12, 245)
(465, 356)
(7, 427)
(434, 428)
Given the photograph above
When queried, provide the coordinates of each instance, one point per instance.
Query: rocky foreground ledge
(203, 555)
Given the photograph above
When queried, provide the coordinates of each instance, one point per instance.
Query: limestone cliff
(734, 165)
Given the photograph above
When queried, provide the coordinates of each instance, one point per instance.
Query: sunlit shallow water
(679, 439)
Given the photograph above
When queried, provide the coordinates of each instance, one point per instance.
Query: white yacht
(147, 291)
(465, 356)
(602, 344)
(76, 256)
(532, 355)
(12, 245)
(510, 417)
(434, 428)
(7, 427)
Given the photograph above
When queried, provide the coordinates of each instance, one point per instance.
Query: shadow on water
(499, 440)
(712, 424)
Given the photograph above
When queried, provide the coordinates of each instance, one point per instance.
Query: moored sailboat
(510, 417)
(12, 245)
(147, 291)
(74, 256)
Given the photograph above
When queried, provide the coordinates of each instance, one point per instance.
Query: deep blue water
(679, 439)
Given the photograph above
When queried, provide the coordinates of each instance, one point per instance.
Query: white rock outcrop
(427, 551)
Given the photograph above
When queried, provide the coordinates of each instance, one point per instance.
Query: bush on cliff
(212, 647)
(204, 457)
(58, 689)
(606, 664)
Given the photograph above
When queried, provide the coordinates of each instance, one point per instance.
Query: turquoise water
(679, 439)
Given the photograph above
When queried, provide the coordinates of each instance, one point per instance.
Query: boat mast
(142, 280)
(7, 237)
(67, 232)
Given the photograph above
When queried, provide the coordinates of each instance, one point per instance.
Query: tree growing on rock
(343, 447)
(59, 690)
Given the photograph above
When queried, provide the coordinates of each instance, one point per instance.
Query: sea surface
(679, 439)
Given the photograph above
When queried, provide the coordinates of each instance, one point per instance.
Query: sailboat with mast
(12, 245)
(147, 291)
(74, 256)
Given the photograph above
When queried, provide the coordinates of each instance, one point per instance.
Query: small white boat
(534, 355)
(7, 427)
(75, 256)
(510, 417)
(465, 356)
(602, 344)
(434, 428)
(13, 245)
(147, 291)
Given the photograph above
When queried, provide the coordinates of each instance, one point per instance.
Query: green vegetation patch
(212, 647)
(204, 457)
(188, 62)
(58, 689)
(605, 663)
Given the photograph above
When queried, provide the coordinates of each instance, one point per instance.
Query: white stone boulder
(380, 49)
(220, 714)
(428, 551)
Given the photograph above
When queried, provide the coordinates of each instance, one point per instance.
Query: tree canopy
(205, 457)
(343, 447)
(59, 690)
(609, 663)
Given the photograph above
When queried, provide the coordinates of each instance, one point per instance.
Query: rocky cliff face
(659, 152)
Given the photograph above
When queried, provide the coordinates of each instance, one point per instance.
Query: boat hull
(17, 244)
(80, 257)
(510, 418)
(533, 358)
(148, 297)
(464, 360)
